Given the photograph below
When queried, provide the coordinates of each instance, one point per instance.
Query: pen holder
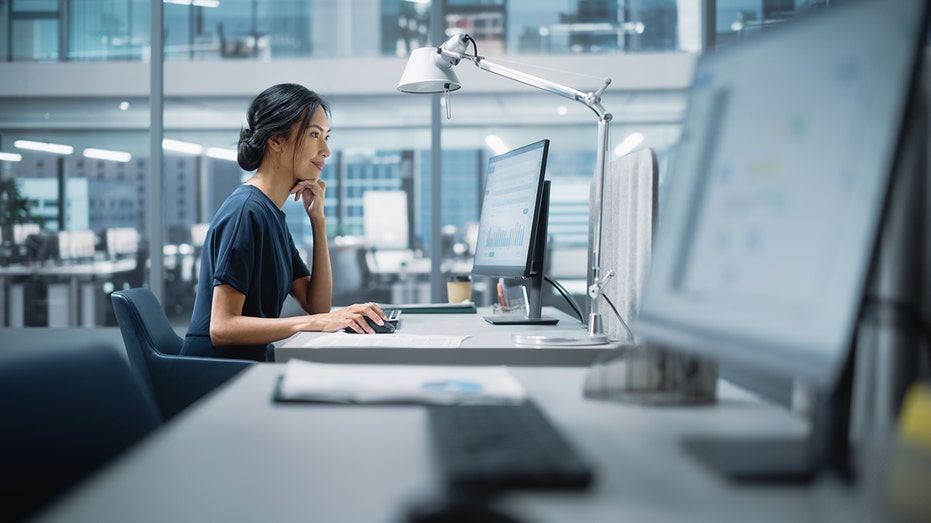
(512, 299)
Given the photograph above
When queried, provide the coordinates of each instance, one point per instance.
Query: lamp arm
(591, 100)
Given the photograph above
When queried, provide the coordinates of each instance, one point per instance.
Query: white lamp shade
(428, 72)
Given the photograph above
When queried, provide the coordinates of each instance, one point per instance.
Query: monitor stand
(788, 460)
(535, 294)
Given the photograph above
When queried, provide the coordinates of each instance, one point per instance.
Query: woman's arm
(229, 327)
(315, 292)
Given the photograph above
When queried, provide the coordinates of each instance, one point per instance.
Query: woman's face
(311, 150)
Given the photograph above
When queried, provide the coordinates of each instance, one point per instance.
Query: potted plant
(14, 209)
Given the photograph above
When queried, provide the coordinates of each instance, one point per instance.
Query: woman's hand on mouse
(352, 316)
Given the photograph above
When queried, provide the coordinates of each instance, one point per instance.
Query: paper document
(427, 384)
(407, 341)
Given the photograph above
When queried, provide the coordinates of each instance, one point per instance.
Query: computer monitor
(512, 228)
(775, 199)
(385, 220)
(121, 242)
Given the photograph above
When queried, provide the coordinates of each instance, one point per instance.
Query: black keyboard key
(493, 447)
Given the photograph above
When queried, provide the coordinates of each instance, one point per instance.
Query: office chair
(154, 350)
(64, 412)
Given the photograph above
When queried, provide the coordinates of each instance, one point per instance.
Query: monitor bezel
(530, 266)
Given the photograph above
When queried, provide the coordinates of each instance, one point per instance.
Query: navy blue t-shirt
(248, 247)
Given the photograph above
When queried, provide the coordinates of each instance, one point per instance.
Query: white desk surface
(237, 456)
(87, 268)
(486, 344)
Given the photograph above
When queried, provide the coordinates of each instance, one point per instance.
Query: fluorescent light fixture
(629, 144)
(10, 157)
(222, 154)
(54, 148)
(199, 3)
(496, 144)
(104, 154)
(182, 147)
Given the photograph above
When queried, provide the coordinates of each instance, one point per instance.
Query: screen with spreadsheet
(511, 214)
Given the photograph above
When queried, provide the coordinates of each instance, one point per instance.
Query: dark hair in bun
(273, 113)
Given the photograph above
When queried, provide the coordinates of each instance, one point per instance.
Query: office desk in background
(486, 344)
(71, 303)
(237, 456)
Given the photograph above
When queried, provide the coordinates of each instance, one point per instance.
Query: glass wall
(99, 182)
(276, 29)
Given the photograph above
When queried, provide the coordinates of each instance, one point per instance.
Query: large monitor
(513, 225)
(778, 188)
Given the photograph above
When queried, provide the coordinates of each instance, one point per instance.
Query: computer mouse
(387, 328)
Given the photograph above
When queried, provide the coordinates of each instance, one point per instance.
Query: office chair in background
(154, 350)
(64, 412)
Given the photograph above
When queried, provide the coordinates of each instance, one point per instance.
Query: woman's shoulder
(244, 199)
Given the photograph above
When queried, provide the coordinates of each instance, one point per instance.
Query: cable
(474, 45)
(568, 297)
(565, 294)
(619, 318)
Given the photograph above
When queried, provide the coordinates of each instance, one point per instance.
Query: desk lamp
(430, 71)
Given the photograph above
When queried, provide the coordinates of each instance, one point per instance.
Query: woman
(249, 263)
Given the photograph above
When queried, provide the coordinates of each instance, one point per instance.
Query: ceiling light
(199, 3)
(104, 154)
(182, 147)
(124, 105)
(496, 144)
(11, 157)
(222, 154)
(43, 146)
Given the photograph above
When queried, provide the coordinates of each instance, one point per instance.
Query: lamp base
(535, 340)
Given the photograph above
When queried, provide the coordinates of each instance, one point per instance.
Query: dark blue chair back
(154, 350)
(64, 412)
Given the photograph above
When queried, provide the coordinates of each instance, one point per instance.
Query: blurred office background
(75, 220)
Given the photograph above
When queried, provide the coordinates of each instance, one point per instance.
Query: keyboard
(394, 317)
(495, 447)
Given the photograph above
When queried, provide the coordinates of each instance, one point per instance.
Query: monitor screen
(511, 213)
(777, 189)
(384, 219)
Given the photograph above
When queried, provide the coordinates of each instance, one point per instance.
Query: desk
(486, 345)
(239, 457)
(65, 299)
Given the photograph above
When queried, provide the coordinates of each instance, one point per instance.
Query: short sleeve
(235, 252)
(298, 266)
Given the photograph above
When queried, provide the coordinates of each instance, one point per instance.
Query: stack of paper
(428, 384)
